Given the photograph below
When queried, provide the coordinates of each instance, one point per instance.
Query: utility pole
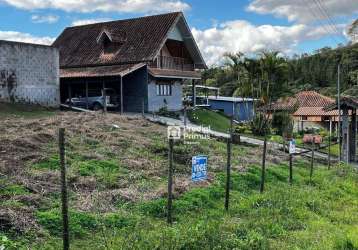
(339, 111)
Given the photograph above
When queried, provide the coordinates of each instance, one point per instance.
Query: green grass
(216, 120)
(318, 215)
(9, 110)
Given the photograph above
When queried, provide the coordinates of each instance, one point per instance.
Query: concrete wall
(29, 74)
(174, 102)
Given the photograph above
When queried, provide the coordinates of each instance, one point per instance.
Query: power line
(316, 13)
(325, 15)
(325, 12)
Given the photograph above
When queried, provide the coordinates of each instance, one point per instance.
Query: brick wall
(29, 74)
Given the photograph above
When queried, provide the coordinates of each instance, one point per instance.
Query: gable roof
(140, 40)
(312, 99)
(303, 103)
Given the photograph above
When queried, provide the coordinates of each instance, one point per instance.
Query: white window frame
(164, 89)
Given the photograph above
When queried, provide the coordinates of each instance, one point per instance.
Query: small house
(241, 108)
(307, 110)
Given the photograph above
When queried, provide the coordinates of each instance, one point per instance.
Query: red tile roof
(303, 99)
(312, 99)
(141, 39)
(314, 111)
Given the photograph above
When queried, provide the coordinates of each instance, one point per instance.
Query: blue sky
(292, 26)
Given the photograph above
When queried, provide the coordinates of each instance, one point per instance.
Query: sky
(218, 26)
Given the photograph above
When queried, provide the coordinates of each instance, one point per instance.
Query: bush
(282, 123)
(166, 113)
(242, 128)
(260, 125)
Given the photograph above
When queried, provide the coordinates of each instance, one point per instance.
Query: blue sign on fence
(199, 168)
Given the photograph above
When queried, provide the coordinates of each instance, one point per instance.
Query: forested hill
(248, 76)
(320, 70)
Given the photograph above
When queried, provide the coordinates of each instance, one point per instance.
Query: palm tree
(273, 71)
(234, 63)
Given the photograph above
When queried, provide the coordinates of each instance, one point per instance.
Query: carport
(128, 80)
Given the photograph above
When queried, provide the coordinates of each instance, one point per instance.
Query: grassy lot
(321, 215)
(8, 110)
(117, 188)
(216, 120)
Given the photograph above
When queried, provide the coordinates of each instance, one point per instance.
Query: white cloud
(126, 6)
(242, 36)
(90, 21)
(25, 37)
(44, 19)
(304, 11)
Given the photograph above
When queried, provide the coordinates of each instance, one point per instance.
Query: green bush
(260, 125)
(166, 113)
(242, 128)
(282, 123)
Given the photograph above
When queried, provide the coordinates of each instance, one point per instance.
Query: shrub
(166, 113)
(242, 128)
(260, 125)
(282, 122)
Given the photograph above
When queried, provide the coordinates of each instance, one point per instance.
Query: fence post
(170, 182)
(312, 160)
(61, 142)
(291, 170)
(329, 152)
(228, 173)
(263, 167)
(329, 143)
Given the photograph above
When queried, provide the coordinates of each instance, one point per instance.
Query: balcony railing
(175, 63)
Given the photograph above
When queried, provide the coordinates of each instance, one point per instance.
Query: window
(304, 118)
(164, 89)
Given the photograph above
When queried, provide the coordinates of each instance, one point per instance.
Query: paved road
(175, 122)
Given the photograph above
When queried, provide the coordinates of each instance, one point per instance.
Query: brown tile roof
(167, 73)
(303, 99)
(312, 99)
(314, 111)
(142, 39)
(101, 71)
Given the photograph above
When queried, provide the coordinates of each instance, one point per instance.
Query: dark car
(95, 100)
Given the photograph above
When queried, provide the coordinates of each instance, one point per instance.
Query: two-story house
(145, 60)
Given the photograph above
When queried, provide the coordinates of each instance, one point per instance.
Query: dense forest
(241, 75)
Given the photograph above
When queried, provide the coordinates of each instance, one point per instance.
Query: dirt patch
(139, 147)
